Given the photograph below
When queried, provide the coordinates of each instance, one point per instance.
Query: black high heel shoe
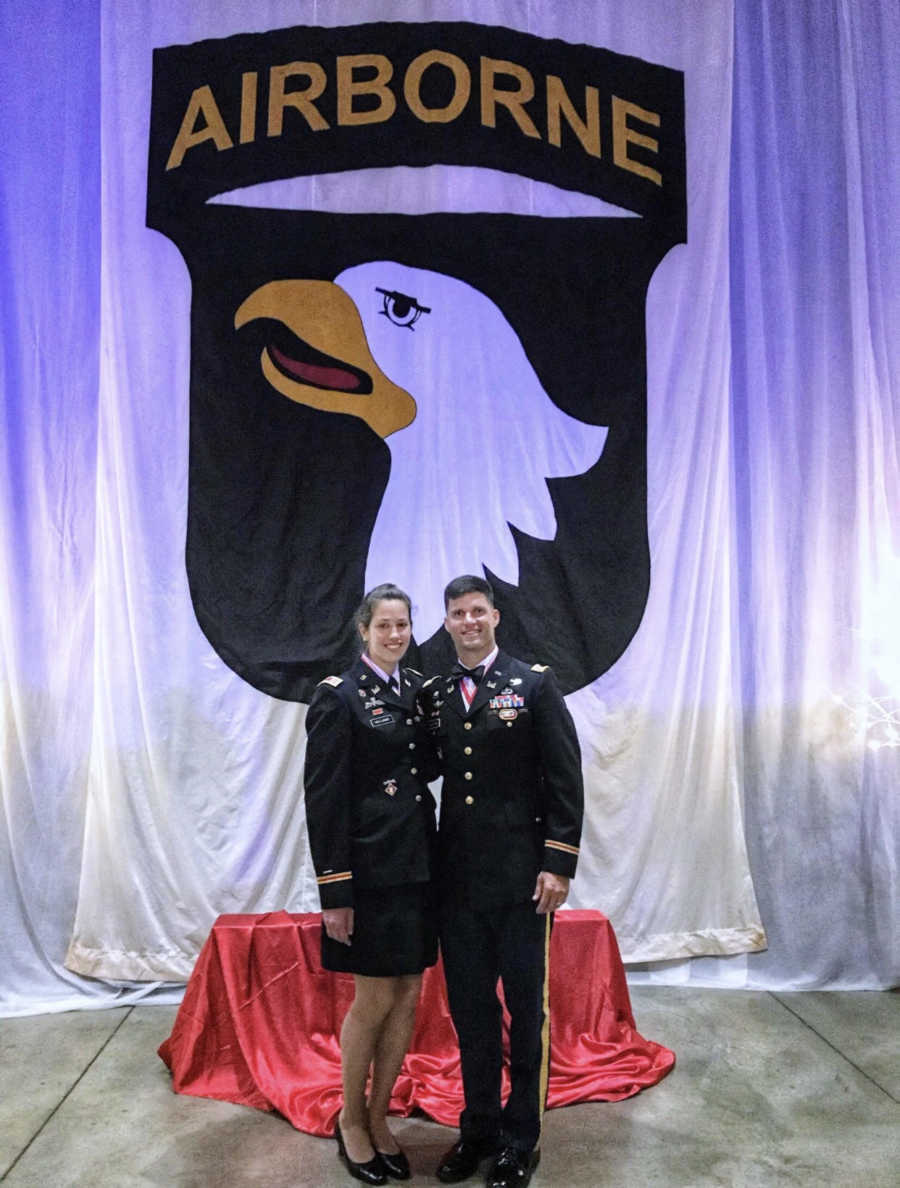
(396, 1165)
(373, 1171)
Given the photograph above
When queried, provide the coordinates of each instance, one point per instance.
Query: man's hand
(550, 892)
(338, 924)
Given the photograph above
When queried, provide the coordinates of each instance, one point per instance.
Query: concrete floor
(768, 1089)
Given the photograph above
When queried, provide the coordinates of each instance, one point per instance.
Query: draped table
(260, 1020)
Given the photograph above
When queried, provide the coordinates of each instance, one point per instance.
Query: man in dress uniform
(510, 826)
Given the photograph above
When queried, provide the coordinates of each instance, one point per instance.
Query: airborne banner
(394, 397)
(391, 300)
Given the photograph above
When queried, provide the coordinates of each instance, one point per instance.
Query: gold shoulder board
(333, 681)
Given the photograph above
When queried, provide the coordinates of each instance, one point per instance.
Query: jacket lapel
(367, 682)
(399, 699)
(492, 682)
(452, 696)
(374, 687)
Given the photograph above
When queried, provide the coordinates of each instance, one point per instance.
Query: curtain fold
(814, 246)
(49, 359)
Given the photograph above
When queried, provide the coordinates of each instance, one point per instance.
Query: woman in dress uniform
(371, 826)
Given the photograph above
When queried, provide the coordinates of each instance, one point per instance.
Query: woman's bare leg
(392, 1046)
(360, 1035)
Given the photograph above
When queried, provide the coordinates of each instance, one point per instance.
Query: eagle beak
(319, 356)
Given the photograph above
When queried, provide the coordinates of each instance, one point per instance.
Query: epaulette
(539, 668)
(333, 681)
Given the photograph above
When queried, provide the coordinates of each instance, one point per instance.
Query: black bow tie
(474, 674)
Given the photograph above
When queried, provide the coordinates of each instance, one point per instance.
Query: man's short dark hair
(468, 584)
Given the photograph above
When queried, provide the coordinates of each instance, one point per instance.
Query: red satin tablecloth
(260, 1019)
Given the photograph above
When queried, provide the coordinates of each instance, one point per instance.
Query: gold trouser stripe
(545, 1029)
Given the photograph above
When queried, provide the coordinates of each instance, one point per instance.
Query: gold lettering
(514, 101)
(623, 136)
(587, 130)
(364, 95)
(200, 103)
(347, 89)
(249, 85)
(303, 100)
(462, 87)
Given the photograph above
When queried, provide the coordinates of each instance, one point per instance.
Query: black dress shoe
(371, 1172)
(513, 1168)
(463, 1158)
(396, 1165)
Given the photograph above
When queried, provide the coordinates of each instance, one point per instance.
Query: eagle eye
(400, 308)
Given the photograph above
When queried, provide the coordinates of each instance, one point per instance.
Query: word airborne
(436, 88)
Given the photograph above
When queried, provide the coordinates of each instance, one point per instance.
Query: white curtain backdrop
(146, 788)
(816, 396)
